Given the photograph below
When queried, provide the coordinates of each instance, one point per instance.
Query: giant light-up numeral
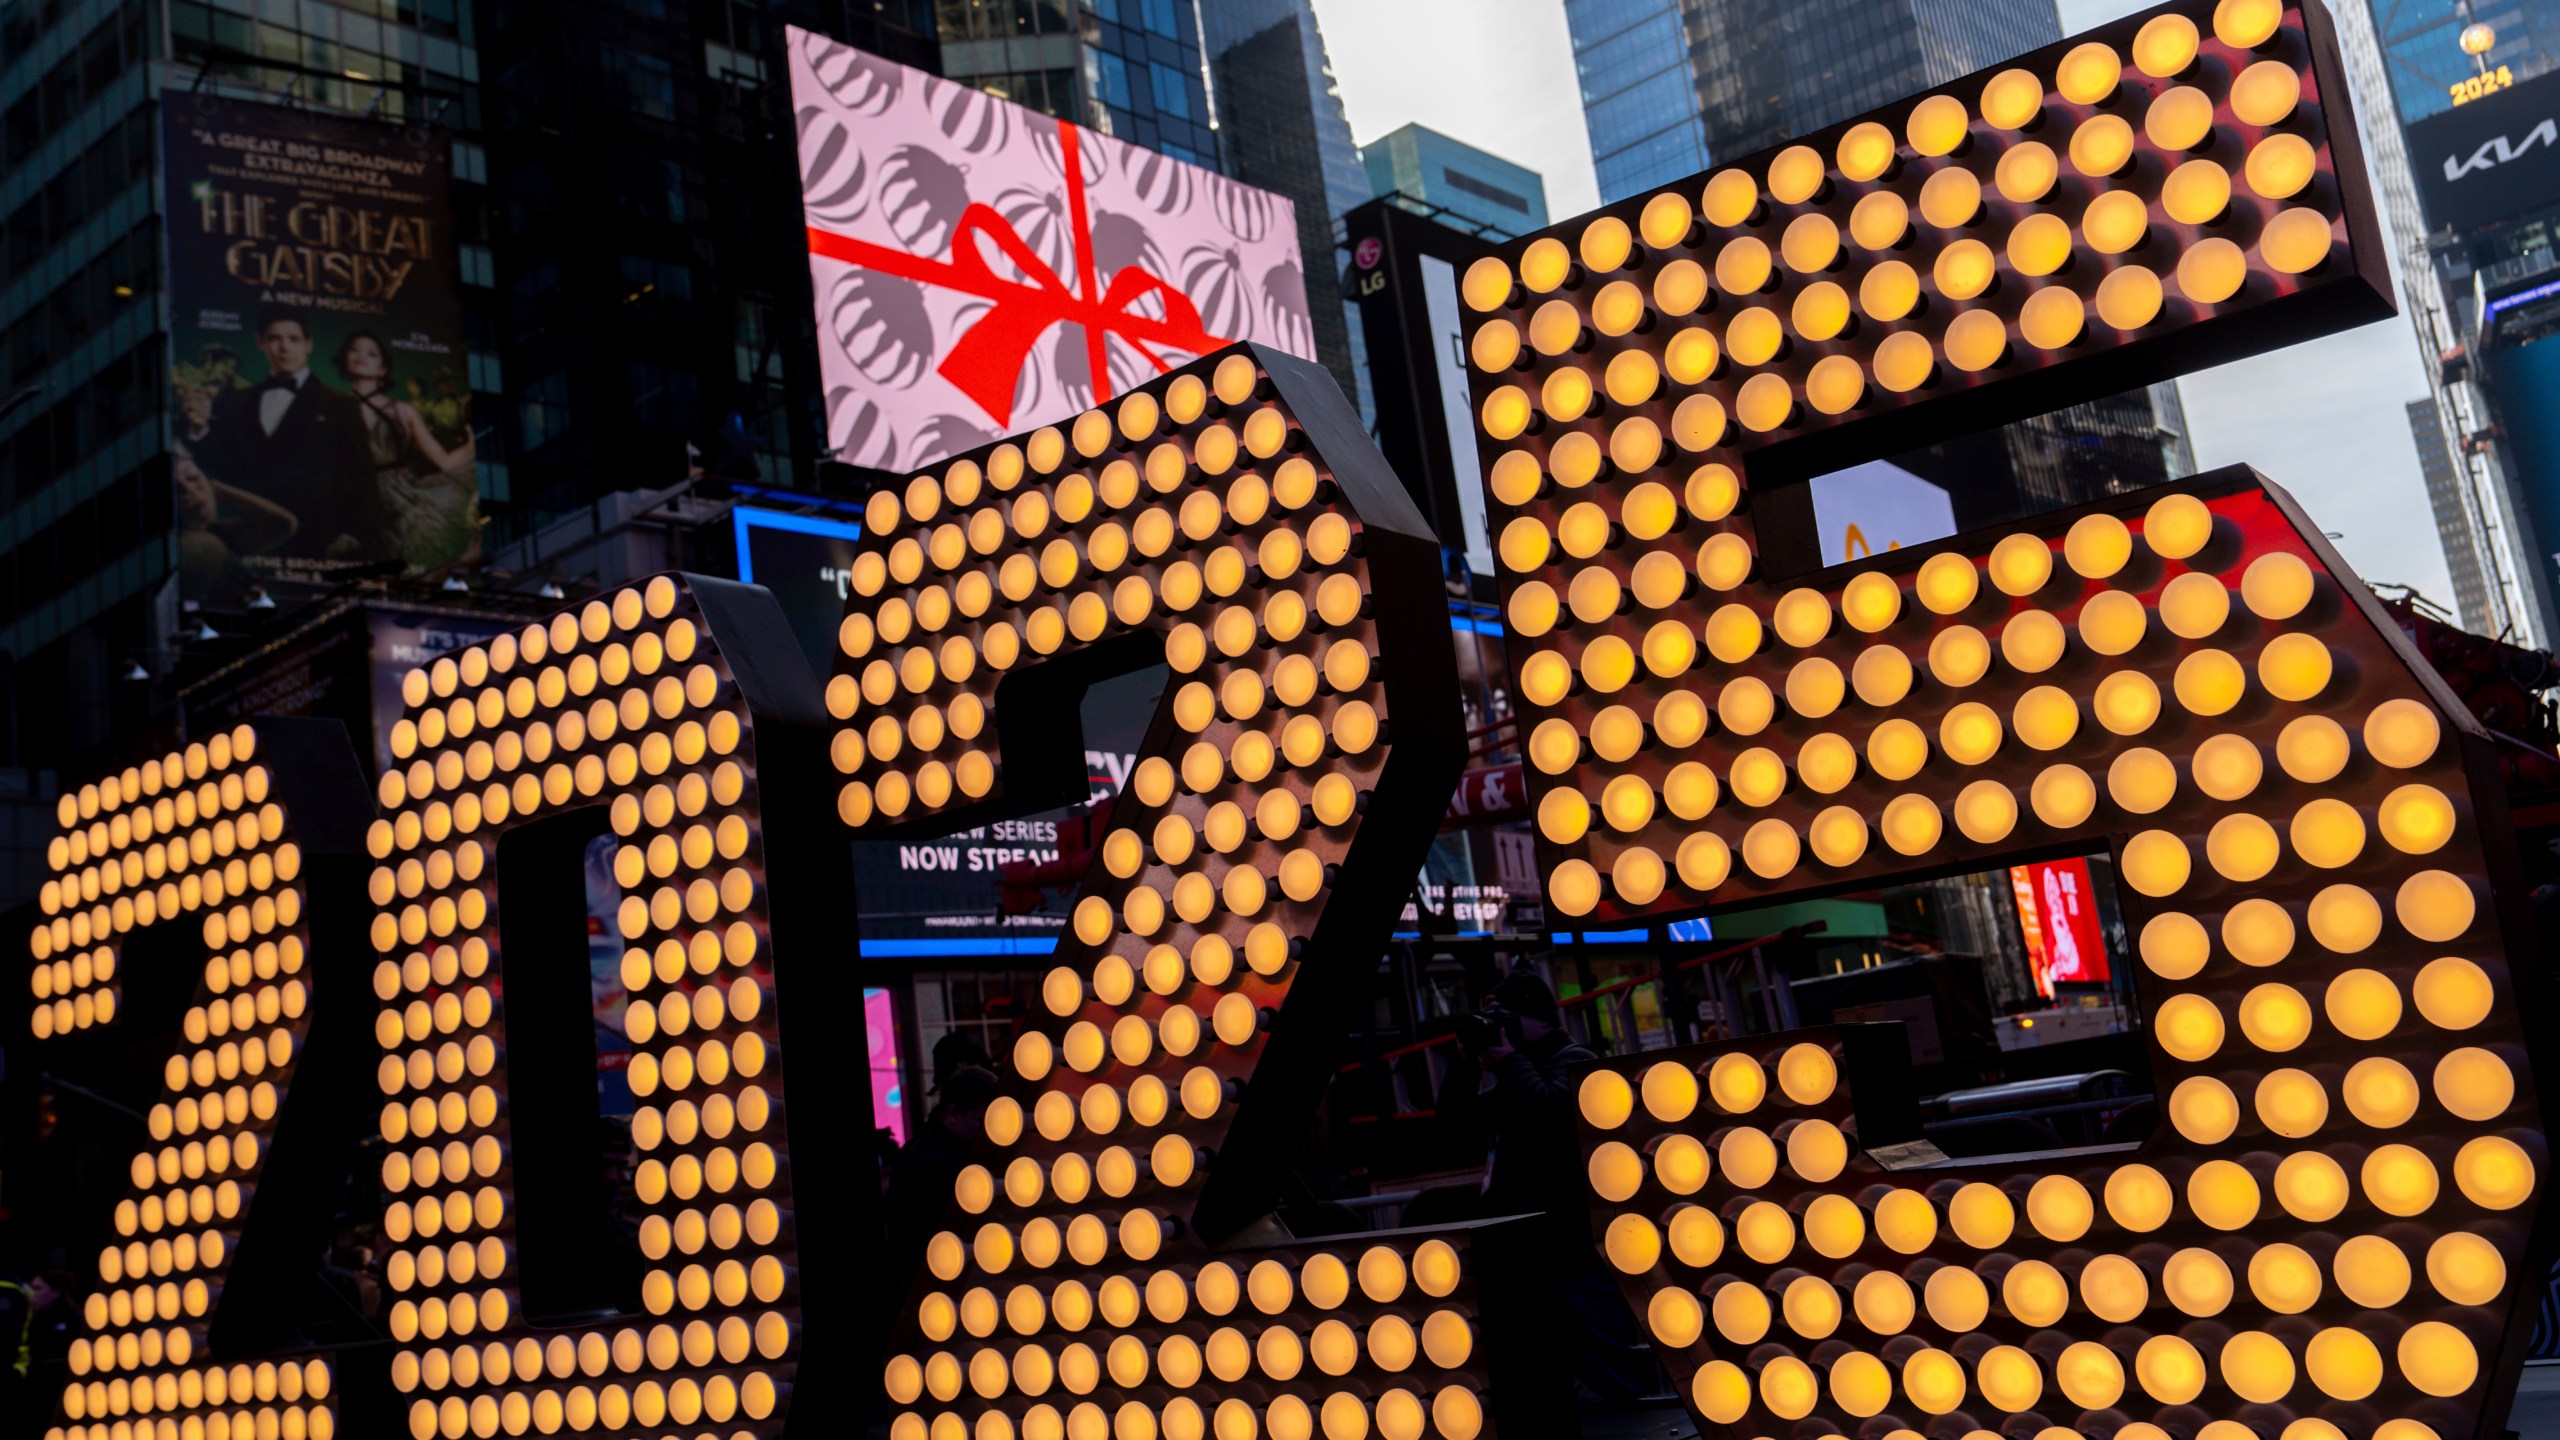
(1109, 1268)
(676, 709)
(242, 838)
(2328, 1237)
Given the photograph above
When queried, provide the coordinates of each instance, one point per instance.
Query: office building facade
(1281, 127)
(89, 615)
(1639, 97)
(1500, 199)
(2472, 229)
(2444, 479)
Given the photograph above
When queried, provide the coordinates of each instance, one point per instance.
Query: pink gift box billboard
(981, 269)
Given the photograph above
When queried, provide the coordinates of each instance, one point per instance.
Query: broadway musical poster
(323, 400)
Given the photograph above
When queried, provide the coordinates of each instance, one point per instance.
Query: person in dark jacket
(920, 1179)
(298, 444)
(1526, 1103)
(1518, 1086)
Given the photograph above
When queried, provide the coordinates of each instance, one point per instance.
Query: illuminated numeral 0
(674, 717)
(2328, 1237)
(248, 840)
(1111, 1266)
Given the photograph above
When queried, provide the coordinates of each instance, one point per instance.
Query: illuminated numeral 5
(236, 856)
(2326, 1238)
(673, 717)
(1110, 1265)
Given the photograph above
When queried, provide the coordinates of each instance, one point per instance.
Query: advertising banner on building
(322, 395)
(981, 269)
(2058, 917)
(2495, 157)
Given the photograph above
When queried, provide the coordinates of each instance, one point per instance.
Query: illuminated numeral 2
(1110, 1267)
(249, 840)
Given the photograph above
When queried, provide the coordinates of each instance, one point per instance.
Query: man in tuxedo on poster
(294, 441)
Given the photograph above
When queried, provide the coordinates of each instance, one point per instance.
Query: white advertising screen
(1878, 506)
(981, 269)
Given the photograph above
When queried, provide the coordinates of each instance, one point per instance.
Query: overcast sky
(2326, 420)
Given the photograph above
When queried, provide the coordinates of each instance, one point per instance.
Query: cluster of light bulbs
(188, 838)
(2034, 221)
(1068, 1297)
(626, 703)
(1789, 1278)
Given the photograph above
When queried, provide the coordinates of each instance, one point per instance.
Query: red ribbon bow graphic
(987, 361)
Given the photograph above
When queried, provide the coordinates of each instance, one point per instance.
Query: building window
(542, 410)
(671, 398)
(1161, 17)
(652, 187)
(648, 85)
(1173, 96)
(1466, 184)
(1115, 80)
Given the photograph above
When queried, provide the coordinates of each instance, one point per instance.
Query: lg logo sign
(2498, 150)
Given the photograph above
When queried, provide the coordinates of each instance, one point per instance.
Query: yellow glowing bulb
(2032, 641)
(2021, 564)
(2088, 74)
(2247, 24)
(1487, 285)
(2101, 145)
(2181, 118)
(1810, 243)
(2052, 318)
(1666, 221)
(2435, 905)
(1952, 197)
(2212, 271)
(1742, 266)
(1964, 269)
(2141, 780)
(2012, 100)
(2196, 193)
(1770, 848)
(1970, 733)
(2129, 297)
(2026, 171)
(1947, 583)
(2174, 946)
(2165, 46)
(1959, 655)
(2279, 166)
(2453, 993)
(2038, 244)
(1986, 811)
(1903, 360)
(1936, 125)
(2156, 863)
(2295, 241)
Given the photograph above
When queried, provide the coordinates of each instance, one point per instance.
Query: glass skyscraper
(1639, 99)
(1485, 190)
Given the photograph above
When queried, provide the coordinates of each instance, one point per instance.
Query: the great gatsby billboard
(323, 403)
(981, 269)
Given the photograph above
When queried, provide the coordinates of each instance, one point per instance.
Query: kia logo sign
(2498, 150)
(2496, 157)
